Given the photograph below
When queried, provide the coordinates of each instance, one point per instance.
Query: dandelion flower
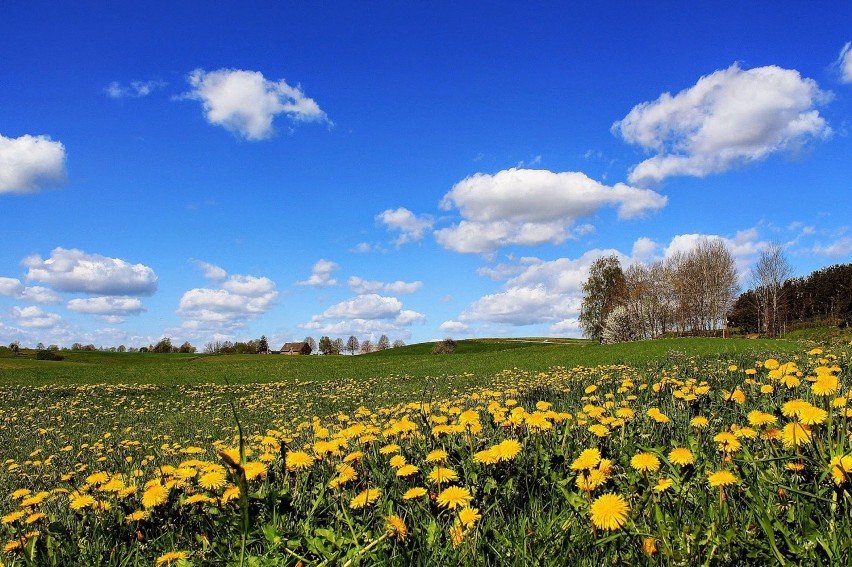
(436, 456)
(721, 478)
(487, 456)
(812, 415)
(397, 461)
(795, 434)
(508, 449)
(440, 475)
(825, 385)
(12, 517)
(82, 501)
(172, 556)
(645, 462)
(469, 516)
(413, 493)
(365, 498)
(588, 459)
(663, 484)
(395, 526)
(841, 469)
(609, 512)
(135, 516)
(699, 422)
(681, 456)
(297, 460)
(213, 480)
(406, 470)
(155, 495)
(254, 469)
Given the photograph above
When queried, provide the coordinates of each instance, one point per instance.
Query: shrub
(48, 355)
(447, 346)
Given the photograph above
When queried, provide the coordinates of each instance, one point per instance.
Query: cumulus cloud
(109, 309)
(367, 313)
(211, 271)
(34, 318)
(840, 247)
(30, 163)
(12, 287)
(73, 270)
(454, 327)
(361, 286)
(135, 89)
(730, 117)
(532, 207)
(411, 227)
(246, 103)
(239, 298)
(321, 274)
(844, 63)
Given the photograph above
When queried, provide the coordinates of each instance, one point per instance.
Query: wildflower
(454, 496)
(389, 449)
(155, 495)
(230, 493)
(728, 442)
(758, 418)
(588, 459)
(440, 475)
(599, 429)
(297, 460)
(254, 469)
(649, 546)
(436, 456)
(136, 516)
(825, 385)
(172, 556)
(213, 480)
(12, 517)
(395, 526)
(699, 422)
(406, 470)
(812, 415)
(537, 420)
(487, 456)
(681, 456)
(397, 461)
(508, 449)
(645, 462)
(721, 478)
(795, 434)
(469, 516)
(457, 534)
(82, 501)
(663, 484)
(841, 469)
(413, 493)
(609, 511)
(365, 498)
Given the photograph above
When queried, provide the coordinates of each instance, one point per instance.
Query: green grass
(475, 359)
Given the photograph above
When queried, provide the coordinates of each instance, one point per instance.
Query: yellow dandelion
(812, 415)
(721, 478)
(681, 456)
(82, 501)
(172, 556)
(297, 460)
(397, 461)
(12, 517)
(230, 493)
(254, 469)
(395, 526)
(645, 462)
(136, 516)
(825, 385)
(413, 493)
(365, 498)
(795, 434)
(213, 480)
(441, 475)
(841, 469)
(609, 512)
(699, 422)
(487, 456)
(588, 459)
(436, 456)
(155, 495)
(508, 449)
(663, 484)
(406, 470)
(454, 496)
(469, 516)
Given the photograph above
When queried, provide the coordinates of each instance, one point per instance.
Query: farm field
(680, 451)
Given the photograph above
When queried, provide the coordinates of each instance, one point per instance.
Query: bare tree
(352, 345)
(366, 346)
(767, 278)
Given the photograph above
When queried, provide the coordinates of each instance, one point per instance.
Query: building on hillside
(296, 348)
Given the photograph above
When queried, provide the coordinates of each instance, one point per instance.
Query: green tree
(602, 291)
(263, 345)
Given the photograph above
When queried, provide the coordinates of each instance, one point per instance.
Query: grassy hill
(474, 358)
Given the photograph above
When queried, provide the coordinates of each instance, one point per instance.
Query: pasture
(677, 451)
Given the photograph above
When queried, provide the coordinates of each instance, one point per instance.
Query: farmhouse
(296, 349)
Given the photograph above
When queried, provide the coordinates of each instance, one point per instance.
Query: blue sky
(221, 171)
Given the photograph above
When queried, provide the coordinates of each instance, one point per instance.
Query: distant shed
(296, 349)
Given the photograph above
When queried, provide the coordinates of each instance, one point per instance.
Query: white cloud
(644, 248)
(321, 274)
(109, 309)
(532, 207)
(76, 271)
(844, 62)
(519, 306)
(136, 89)
(246, 103)
(840, 247)
(410, 226)
(361, 286)
(455, 327)
(211, 271)
(34, 318)
(30, 163)
(727, 118)
(12, 287)
(368, 313)
(239, 299)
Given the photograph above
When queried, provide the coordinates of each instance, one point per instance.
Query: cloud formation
(109, 309)
(136, 89)
(411, 227)
(844, 63)
(34, 318)
(368, 313)
(321, 274)
(728, 118)
(12, 287)
(239, 298)
(399, 287)
(532, 207)
(246, 103)
(30, 163)
(75, 271)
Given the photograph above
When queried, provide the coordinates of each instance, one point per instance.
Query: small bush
(447, 346)
(48, 355)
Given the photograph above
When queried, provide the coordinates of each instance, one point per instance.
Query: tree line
(688, 293)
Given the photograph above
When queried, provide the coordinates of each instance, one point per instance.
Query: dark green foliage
(45, 354)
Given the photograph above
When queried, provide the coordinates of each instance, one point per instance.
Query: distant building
(295, 349)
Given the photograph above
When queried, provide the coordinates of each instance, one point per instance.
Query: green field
(115, 459)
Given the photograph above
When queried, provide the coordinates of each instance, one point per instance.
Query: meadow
(674, 452)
